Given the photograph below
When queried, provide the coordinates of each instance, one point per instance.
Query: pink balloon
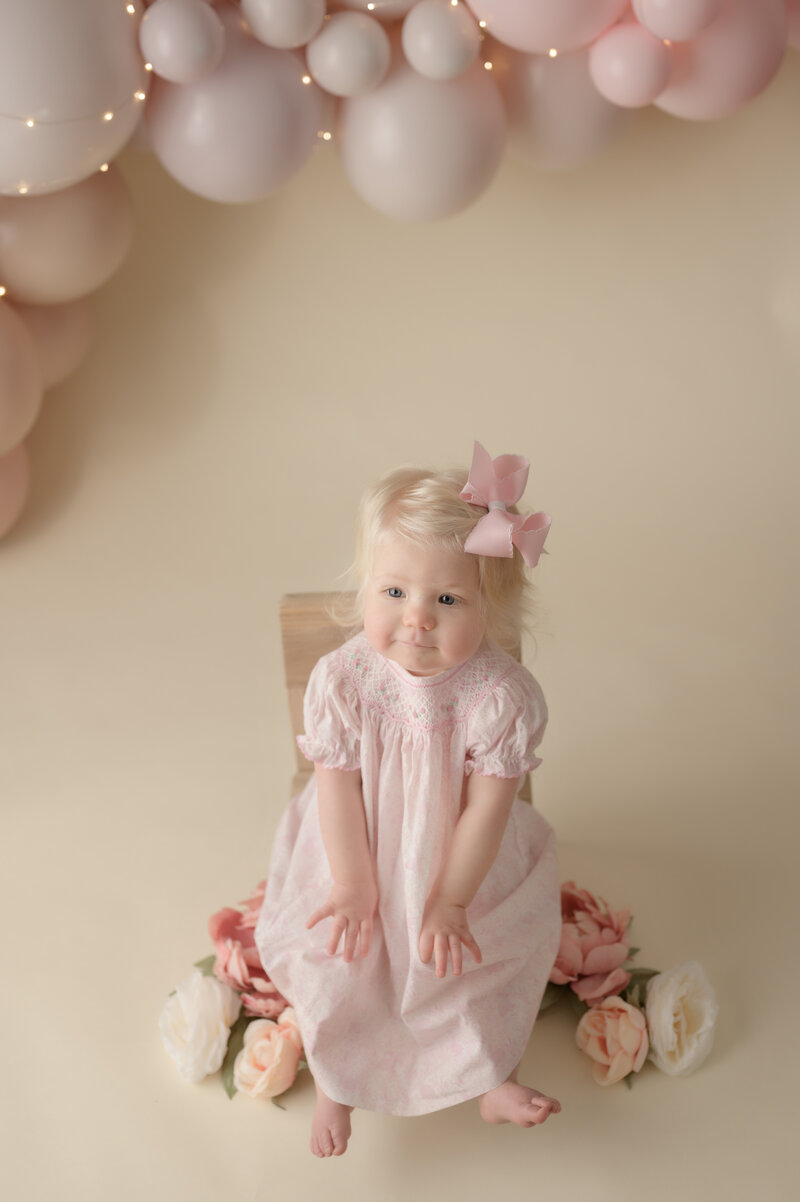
(677, 20)
(794, 23)
(557, 118)
(62, 335)
(20, 379)
(729, 63)
(182, 39)
(537, 26)
(241, 132)
(72, 84)
(629, 65)
(66, 244)
(416, 148)
(15, 483)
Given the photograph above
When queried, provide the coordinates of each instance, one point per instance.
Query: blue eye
(447, 599)
(394, 592)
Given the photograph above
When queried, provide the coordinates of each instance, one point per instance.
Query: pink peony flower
(238, 963)
(614, 1034)
(594, 946)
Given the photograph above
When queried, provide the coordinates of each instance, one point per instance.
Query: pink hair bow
(498, 483)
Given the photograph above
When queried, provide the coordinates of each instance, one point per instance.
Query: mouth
(416, 646)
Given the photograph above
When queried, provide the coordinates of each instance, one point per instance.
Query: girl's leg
(330, 1127)
(515, 1103)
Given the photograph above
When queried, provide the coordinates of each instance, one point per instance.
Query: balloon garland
(422, 98)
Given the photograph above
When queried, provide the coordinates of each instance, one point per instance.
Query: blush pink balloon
(557, 118)
(15, 484)
(241, 132)
(418, 149)
(729, 63)
(677, 20)
(629, 65)
(793, 11)
(20, 379)
(182, 39)
(537, 26)
(62, 335)
(63, 68)
(66, 244)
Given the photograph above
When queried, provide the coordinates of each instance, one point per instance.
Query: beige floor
(634, 329)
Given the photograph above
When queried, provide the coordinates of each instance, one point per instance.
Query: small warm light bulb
(22, 189)
(306, 79)
(488, 66)
(326, 137)
(104, 167)
(553, 53)
(2, 290)
(108, 116)
(482, 24)
(454, 3)
(30, 123)
(667, 42)
(131, 8)
(138, 96)
(148, 66)
(370, 7)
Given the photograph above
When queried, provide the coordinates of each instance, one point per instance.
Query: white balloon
(182, 39)
(284, 24)
(440, 39)
(350, 55)
(72, 84)
(676, 20)
(384, 10)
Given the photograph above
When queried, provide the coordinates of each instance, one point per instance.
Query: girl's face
(422, 606)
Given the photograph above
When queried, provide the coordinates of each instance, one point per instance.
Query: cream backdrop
(633, 329)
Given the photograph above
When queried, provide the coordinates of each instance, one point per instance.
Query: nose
(418, 615)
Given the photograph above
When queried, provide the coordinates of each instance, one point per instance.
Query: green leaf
(301, 1063)
(633, 952)
(235, 1045)
(551, 995)
(206, 966)
(575, 1002)
(629, 1080)
(640, 975)
(275, 1102)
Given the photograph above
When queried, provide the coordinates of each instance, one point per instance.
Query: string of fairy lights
(140, 95)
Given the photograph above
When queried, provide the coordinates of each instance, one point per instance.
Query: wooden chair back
(308, 632)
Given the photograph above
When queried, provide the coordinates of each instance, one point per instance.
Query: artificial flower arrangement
(228, 1015)
(627, 1013)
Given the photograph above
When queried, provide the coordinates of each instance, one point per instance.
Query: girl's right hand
(352, 908)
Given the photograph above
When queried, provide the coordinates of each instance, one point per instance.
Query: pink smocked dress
(384, 1033)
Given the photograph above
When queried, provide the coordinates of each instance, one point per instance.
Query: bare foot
(330, 1127)
(515, 1103)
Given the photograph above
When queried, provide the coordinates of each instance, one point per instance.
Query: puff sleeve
(331, 717)
(506, 727)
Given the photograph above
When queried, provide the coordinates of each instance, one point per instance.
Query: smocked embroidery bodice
(423, 702)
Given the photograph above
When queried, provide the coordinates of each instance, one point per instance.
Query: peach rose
(614, 1034)
(594, 946)
(267, 1064)
(238, 963)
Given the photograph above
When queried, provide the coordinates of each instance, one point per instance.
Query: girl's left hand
(444, 929)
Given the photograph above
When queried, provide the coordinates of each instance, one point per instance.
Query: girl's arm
(475, 844)
(354, 895)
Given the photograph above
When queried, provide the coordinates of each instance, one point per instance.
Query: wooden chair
(308, 632)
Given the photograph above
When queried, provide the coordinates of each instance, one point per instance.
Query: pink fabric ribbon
(498, 483)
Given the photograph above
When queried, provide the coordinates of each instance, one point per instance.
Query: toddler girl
(410, 837)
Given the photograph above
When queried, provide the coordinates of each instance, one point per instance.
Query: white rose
(196, 1022)
(681, 1010)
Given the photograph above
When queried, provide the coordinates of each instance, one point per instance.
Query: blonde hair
(425, 507)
